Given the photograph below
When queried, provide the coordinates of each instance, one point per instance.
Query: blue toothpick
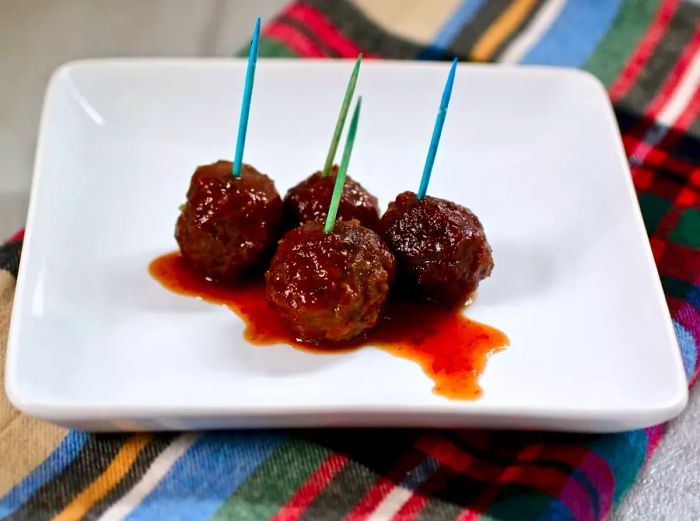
(437, 131)
(247, 94)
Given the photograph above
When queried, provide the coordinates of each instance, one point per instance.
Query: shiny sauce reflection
(450, 348)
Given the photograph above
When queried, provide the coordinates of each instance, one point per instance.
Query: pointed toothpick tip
(437, 131)
(344, 107)
(247, 96)
(342, 172)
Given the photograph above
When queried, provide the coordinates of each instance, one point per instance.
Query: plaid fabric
(646, 53)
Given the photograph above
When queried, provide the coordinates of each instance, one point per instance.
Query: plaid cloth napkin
(646, 53)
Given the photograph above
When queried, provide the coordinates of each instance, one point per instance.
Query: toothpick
(349, 91)
(340, 178)
(437, 131)
(247, 94)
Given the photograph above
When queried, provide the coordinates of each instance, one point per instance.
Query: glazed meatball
(309, 201)
(330, 287)
(440, 247)
(229, 225)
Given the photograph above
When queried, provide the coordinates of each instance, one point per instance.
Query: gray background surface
(36, 36)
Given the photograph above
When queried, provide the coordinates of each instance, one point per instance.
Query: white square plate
(97, 344)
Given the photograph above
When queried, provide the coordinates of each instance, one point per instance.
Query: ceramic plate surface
(97, 344)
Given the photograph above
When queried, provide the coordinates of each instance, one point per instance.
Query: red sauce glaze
(451, 349)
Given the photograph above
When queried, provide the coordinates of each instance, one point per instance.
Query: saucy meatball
(440, 247)
(228, 225)
(330, 287)
(309, 201)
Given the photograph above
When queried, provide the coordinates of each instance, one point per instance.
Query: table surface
(670, 485)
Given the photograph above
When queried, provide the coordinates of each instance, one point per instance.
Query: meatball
(440, 247)
(229, 225)
(330, 287)
(309, 200)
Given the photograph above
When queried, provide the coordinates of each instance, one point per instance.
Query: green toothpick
(340, 179)
(349, 91)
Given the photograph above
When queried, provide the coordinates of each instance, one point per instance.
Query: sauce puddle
(450, 348)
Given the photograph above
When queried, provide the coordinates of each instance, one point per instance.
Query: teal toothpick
(437, 131)
(340, 179)
(349, 91)
(247, 94)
